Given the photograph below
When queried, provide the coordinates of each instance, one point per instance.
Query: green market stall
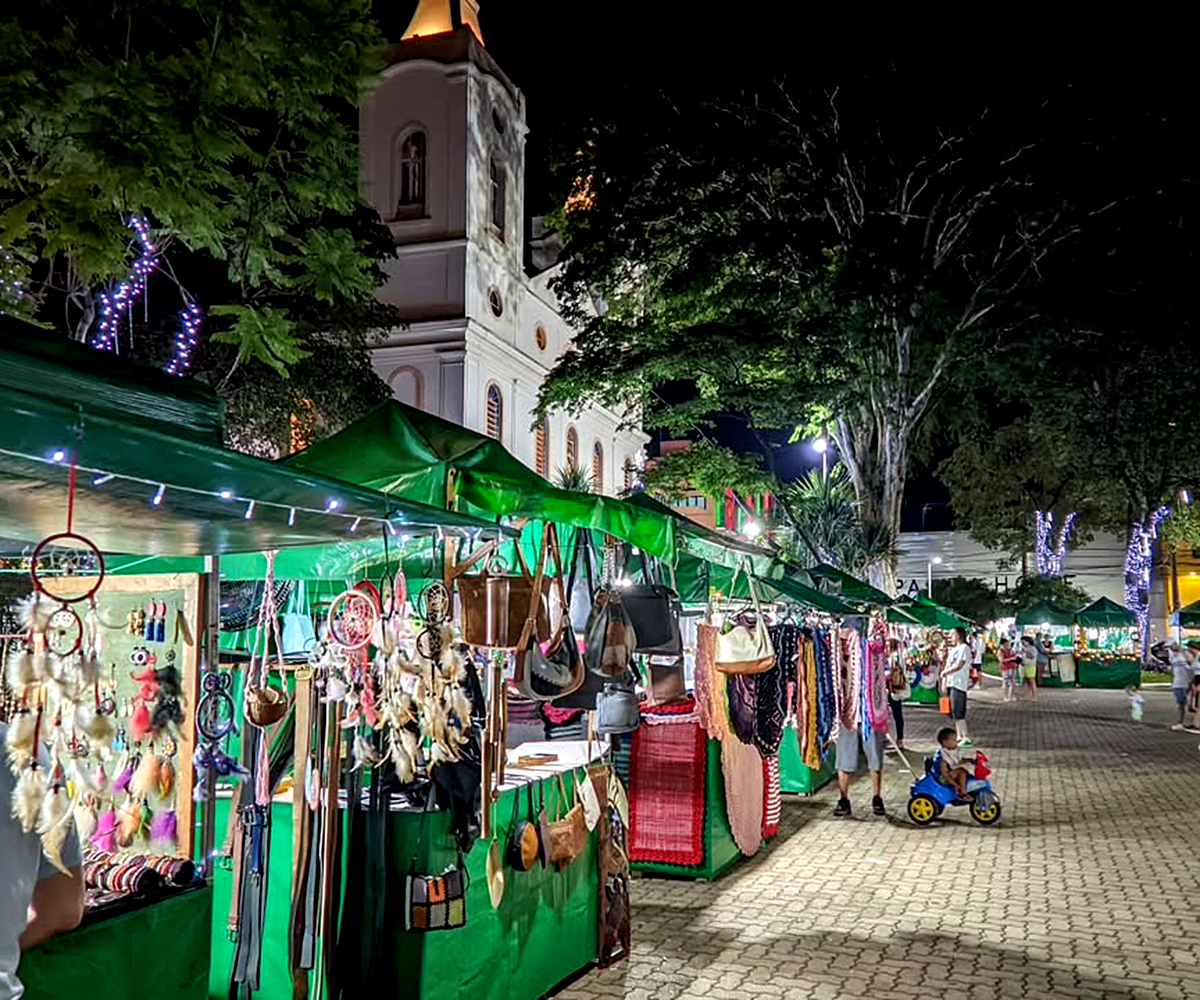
(1097, 667)
(796, 777)
(1057, 624)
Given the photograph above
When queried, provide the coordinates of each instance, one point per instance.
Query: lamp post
(935, 561)
(821, 447)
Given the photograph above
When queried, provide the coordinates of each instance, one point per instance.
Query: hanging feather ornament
(139, 724)
(145, 779)
(99, 779)
(365, 754)
(125, 775)
(89, 720)
(335, 689)
(19, 669)
(105, 836)
(28, 795)
(402, 749)
(163, 830)
(53, 822)
(166, 778)
(21, 734)
(129, 821)
(34, 613)
(85, 816)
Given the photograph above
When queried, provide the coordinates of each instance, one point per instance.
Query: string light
(1139, 571)
(249, 510)
(226, 494)
(59, 455)
(115, 304)
(291, 517)
(158, 497)
(101, 480)
(332, 505)
(12, 291)
(190, 319)
(1051, 556)
(354, 526)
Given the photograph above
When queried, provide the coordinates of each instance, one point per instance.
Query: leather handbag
(610, 639)
(544, 674)
(654, 610)
(667, 681)
(435, 902)
(617, 709)
(744, 648)
(524, 847)
(568, 835)
(496, 604)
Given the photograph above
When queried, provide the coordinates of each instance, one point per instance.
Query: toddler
(1137, 704)
(950, 769)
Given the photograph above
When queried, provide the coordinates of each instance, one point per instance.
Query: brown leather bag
(495, 605)
(667, 682)
(568, 835)
(558, 669)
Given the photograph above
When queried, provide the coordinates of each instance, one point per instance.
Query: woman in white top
(956, 680)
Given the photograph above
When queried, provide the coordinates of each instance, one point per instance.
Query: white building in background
(443, 162)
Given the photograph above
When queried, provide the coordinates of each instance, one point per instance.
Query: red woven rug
(666, 794)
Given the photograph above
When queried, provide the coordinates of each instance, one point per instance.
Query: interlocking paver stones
(1085, 889)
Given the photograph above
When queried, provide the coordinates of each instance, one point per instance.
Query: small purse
(569, 835)
(435, 902)
(744, 649)
(558, 670)
(617, 709)
(524, 847)
(667, 682)
(610, 637)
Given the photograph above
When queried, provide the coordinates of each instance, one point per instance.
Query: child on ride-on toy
(950, 769)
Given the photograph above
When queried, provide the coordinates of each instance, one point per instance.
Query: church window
(572, 448)
(598, 467)
(539, 337)
(495, 302)
(494, 417)
(541, 447)
(498, 185)
(412, 167)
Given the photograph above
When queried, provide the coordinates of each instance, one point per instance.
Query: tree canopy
(230, 129)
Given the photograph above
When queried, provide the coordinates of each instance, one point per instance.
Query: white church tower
(443, 162)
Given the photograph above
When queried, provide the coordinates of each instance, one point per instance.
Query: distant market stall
(1058, 626)
(1107, 656)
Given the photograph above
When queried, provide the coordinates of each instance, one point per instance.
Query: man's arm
(57, 906)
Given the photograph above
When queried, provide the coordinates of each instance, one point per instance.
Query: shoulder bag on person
(744, 648)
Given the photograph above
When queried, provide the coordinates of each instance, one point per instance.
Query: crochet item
(771, 709)
(742, 691)
(826, 692)
(741, 766)
(772, 800)
(666, 794)
(709, 684)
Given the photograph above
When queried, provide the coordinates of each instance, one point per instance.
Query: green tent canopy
(1043, 613)
(930, 613)
(850, 587)
(1103, 613)
(1188, 616)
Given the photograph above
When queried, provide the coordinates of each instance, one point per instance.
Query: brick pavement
(1086, 888)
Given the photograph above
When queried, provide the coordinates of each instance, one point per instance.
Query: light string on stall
(159, 491)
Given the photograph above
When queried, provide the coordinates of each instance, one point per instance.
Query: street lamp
(929, 575)
(752, 529)
(821, 447)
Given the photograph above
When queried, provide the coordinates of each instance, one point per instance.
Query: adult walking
(978, 648)
(956, 678)
(899, 689)
(1029, 659)
(1182, 670)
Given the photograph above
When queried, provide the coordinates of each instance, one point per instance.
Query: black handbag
(654, 610)
(585, 695)
(610, 640)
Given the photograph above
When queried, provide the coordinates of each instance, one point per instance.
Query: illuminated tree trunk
(1139, 572)
(1051, 549)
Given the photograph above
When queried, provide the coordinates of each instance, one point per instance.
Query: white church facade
(443, 162)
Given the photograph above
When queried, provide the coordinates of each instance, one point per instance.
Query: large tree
(802, 251)
(214, 144)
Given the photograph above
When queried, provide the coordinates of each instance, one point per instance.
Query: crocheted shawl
(741, 765)
(826, 688)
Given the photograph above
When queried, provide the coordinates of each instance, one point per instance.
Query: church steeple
(436, 17)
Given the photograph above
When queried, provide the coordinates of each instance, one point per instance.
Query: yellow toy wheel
(987, 812)
(922, 810)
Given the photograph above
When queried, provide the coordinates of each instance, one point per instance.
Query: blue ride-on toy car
(928, 797)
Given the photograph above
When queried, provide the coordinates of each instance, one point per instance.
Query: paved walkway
(1088, 886)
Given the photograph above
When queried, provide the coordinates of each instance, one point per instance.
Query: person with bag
(956, 681)
(899, 690)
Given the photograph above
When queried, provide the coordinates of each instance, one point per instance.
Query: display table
(796, 777)
(1118, 672)
(544, 931)
(720, 851)
(159, 950)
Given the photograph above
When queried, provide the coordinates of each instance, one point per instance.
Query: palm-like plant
(828, 524)
(573, 478)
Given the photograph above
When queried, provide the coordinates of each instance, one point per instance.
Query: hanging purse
(558, 669)
(435, 902)
(266, 705)
(524, 847)
(610, 639)
(568, 835)
(585, 695)
(617, 709)
(745, 649)
(495, 604)
(667, 681)
(654, 611)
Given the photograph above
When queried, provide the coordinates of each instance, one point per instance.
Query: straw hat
(495, 874)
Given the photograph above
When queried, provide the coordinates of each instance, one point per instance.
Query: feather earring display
(105, 836)
(89, 720)
(129, 821)
(162, 830)
(125, 775)
(166, 778)
(19, 669)
(99, 779)
(85, 816)
(139, 724)
(52, 825)
(144, 782)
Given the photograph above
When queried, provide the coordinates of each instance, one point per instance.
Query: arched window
(541, 447)
(494, 418)
(498, 192)
(410, 203)
(598, 467)
(572, 448)
(408, 385)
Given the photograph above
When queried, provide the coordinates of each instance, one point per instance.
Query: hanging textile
(849, 674)
(771, 705)
(826, 691)
(876, 682)
(666, 792)
(742, 692)
(741, 765)
(772, 800)
(710, 685)
(808, 708)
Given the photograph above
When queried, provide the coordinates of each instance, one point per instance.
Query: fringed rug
(666, 794)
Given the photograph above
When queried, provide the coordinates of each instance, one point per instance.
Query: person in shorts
(1183, 673)
(849, 739)
(1028, 656)
(1008, 669)
(956, 679)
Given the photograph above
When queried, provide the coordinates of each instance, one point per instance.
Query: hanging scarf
(876, 686)
(742, 690)
(811, 742)
(848, 672)
(709, 684)
(771, 707)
